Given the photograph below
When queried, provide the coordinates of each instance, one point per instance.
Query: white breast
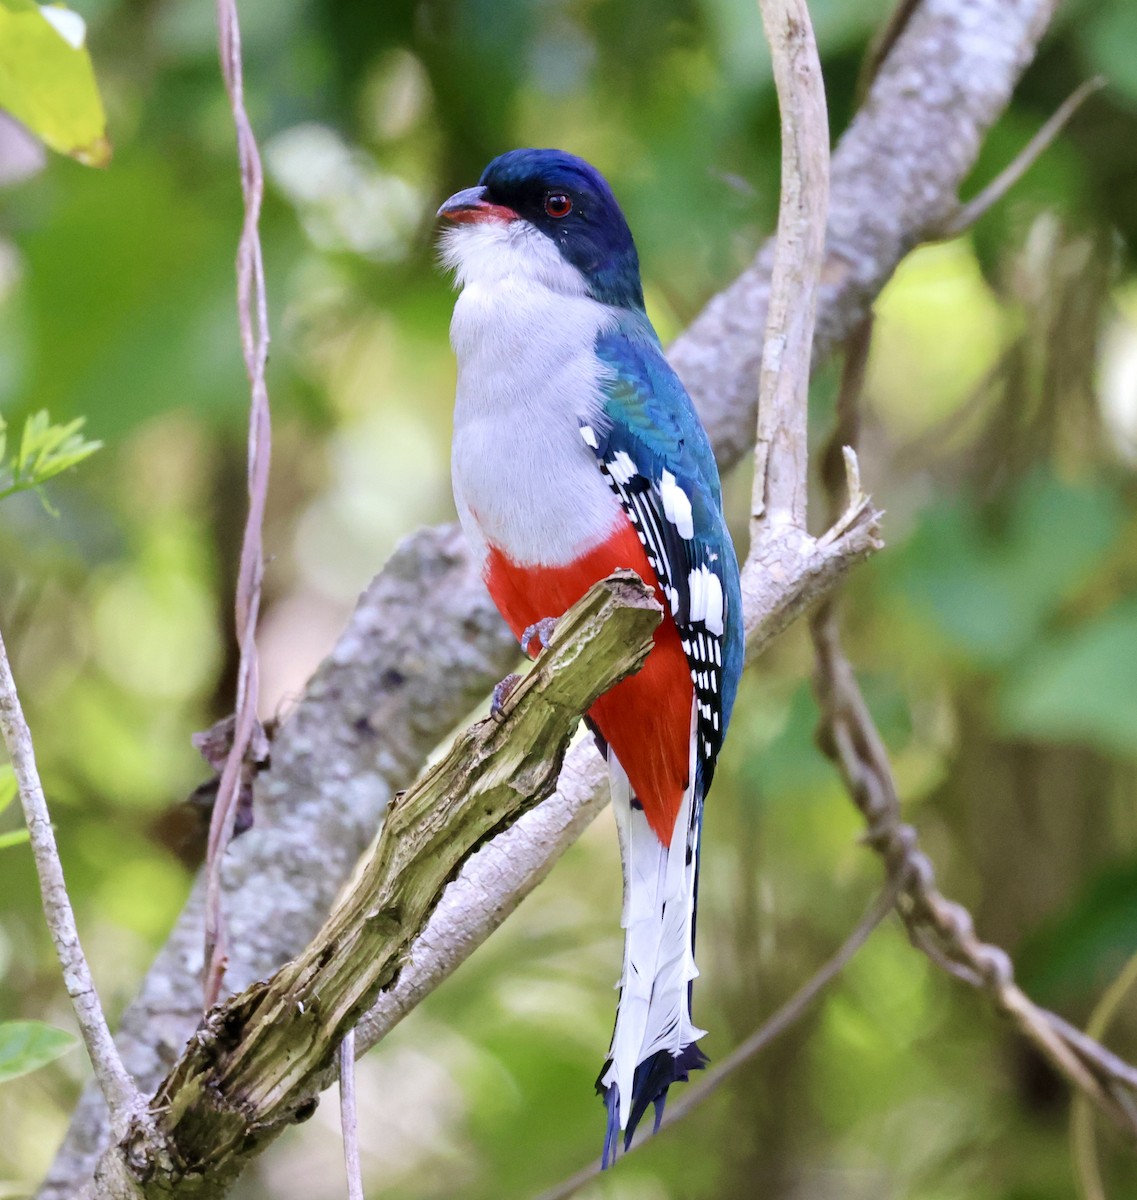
(523, 332)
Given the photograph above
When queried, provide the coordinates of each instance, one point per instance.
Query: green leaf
(1079, 687)
(28, 1045)
(47, 81)
(990, 581)
(17, 837)
(1107, 37)
(1078, 951)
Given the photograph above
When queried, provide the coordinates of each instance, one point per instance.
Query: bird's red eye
(558, 205)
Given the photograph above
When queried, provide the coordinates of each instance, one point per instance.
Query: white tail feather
(659, 913)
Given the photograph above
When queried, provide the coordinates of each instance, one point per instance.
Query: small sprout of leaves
(45, 450)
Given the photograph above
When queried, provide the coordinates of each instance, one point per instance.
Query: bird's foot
(540, 631)
(501, 693)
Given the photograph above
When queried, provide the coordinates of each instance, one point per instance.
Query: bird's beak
(470, 207)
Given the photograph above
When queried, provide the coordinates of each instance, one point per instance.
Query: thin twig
(349, 1117)
(784, 1018)
(122, 1097)
(881, 46)
(1083, 1145)
(967, 214)
(781, 456)
(941, 928)
(793, 1009)
(252, 311)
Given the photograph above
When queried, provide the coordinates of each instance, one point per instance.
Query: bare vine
(943, 929)
(252, 313)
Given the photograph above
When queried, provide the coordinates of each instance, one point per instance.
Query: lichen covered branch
(257, 1062)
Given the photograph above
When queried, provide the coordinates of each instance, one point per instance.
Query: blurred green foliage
(996, 634)
(8, 793)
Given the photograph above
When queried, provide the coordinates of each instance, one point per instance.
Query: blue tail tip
(649, 1088)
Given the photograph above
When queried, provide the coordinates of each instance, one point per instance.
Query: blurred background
(996, 636)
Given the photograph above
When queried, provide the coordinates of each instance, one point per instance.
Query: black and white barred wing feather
(656, 459)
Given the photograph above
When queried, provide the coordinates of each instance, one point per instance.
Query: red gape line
(646, 719)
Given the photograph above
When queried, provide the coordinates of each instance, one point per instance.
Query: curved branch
(781, 454)
(942, 928)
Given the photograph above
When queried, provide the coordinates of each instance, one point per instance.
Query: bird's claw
(501, 691)
(541, 631)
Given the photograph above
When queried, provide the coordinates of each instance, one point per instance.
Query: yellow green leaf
(47, 81)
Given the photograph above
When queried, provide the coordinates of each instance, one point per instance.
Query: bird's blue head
(567, 201)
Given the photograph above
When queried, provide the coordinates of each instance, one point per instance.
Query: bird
(576, 451)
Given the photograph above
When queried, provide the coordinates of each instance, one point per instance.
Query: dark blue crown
(593, 236)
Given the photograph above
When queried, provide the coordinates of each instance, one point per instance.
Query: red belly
(647, 718)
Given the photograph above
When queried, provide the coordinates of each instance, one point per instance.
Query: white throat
(524, 333)
(489, 252)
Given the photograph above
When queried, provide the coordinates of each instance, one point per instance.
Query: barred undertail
(654, 1043)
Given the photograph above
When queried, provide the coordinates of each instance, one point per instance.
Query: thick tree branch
(256, 1063)
(425, 642)
(402, 672)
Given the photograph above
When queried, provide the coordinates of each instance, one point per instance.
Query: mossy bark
(257, 1062)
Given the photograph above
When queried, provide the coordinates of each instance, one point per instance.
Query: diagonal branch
(256, 1063)
(770, 1030)
(942, 928)
(978, 206)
